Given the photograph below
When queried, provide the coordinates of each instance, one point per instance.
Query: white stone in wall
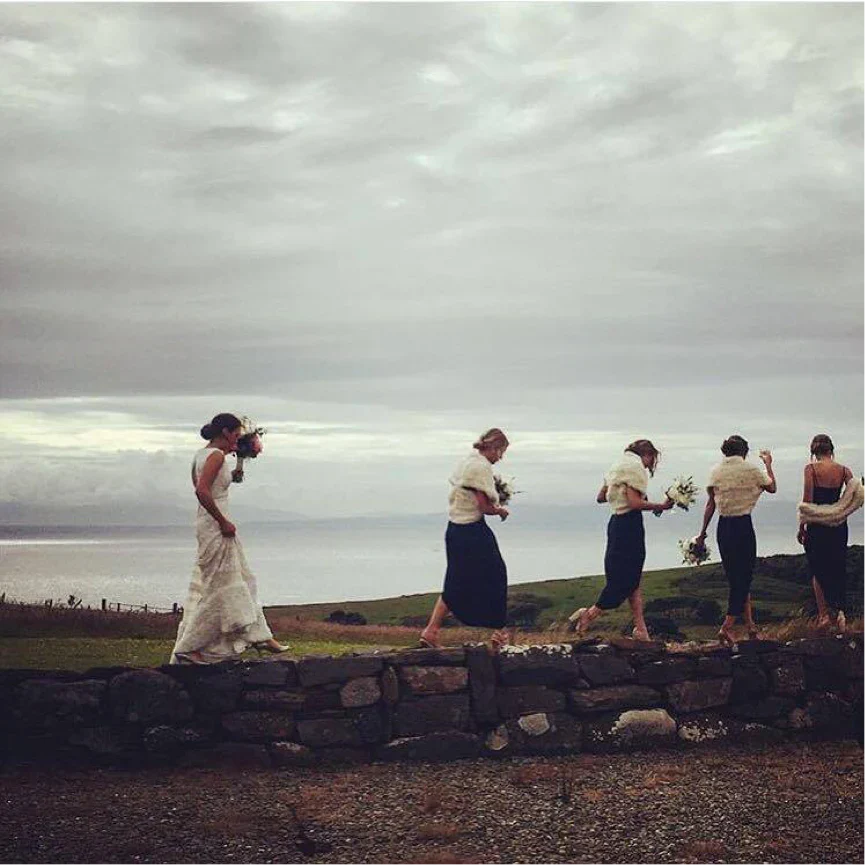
(535, 725)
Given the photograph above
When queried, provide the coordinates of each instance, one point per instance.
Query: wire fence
(74, 603)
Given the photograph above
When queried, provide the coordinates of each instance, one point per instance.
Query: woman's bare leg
(635, 599)
(750, 624)
(822, 606)
(431, 632)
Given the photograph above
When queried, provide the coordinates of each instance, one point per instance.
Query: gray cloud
(563, 216)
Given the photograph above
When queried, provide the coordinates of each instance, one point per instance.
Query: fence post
(118, 606)
(104, 605)
(145, 608)
(174, 608)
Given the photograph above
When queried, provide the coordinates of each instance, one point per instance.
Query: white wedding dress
(222, 616)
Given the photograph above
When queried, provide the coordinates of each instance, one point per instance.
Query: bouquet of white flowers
(694, 553)
(505, 489)
(683, 492)
(249, 446)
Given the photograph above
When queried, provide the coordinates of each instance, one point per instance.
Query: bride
(222, 616)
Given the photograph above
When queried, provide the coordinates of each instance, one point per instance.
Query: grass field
(35, 636)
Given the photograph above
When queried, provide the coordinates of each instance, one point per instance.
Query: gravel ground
(790, 803)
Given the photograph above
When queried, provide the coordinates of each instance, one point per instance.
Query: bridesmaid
(734, 487)
(625, 489)
(222, 616)
(476, 580)
(826, 546)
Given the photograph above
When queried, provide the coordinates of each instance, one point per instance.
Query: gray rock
(614, 698)
(715, 666)
(564, 734)
(106, 742)
(217, 693)
(821, 647)
(497, 740)
(524, 699)
(277, 674)
(828, 713)
(374, 724)
(287, 701)
(635, 728)
(325, 732)
(852, 658)
(148, 698)
(43, 704)
(825, 672)
(432, 715)
(258, 726)
(441, 746)
(322, 669)
(360, 692)
(290, 755)
(605, 669)
(434, 680)
(429, 657)
(166, 741)
(390, 686)
(788, 680)
(666, 671)
(322, 699)
(538, 665)
(698, 695)
(750, 681)
(534, 725)
(482, 684)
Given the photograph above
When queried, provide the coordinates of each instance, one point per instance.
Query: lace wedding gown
(222, 615)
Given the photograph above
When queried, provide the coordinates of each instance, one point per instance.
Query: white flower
(683, 492)
(694, 553)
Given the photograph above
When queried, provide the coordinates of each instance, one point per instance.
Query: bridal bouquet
(504, 489)
(249, 446)
(694, 553)
(683, 492)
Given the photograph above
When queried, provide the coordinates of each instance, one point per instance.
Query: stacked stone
(435, 704)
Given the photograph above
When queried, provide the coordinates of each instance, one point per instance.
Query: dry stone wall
(425, 704)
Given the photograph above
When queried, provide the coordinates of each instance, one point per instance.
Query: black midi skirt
(476, 580)
(826, 549)
(624, 558)
(737, 545)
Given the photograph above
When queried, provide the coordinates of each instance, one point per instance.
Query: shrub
(707, 612)
(523, 609)
(340, 617)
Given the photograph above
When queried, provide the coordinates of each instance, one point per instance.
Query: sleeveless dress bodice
(222, 482)
(826, 495)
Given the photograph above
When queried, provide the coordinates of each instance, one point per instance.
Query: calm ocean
(334, 560)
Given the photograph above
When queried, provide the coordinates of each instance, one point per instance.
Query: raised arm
(204, 492)
(772, 486)
(487, 507)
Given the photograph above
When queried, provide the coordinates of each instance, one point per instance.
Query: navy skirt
(624, 559)
(826, 549)
(476, 581)
(737, 545)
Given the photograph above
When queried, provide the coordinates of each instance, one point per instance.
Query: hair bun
(207, 432)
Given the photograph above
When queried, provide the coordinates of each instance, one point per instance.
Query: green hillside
(781, 589)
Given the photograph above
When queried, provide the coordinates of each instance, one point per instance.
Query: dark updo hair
(735, 446)
(821, 446)
(222, 421)
(644, 448)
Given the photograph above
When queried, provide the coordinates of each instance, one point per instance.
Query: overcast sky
(379, 229)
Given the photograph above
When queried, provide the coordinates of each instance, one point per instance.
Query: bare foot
(429, 640)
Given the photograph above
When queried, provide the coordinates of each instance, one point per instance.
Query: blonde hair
(644, 448)
(492, 438)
